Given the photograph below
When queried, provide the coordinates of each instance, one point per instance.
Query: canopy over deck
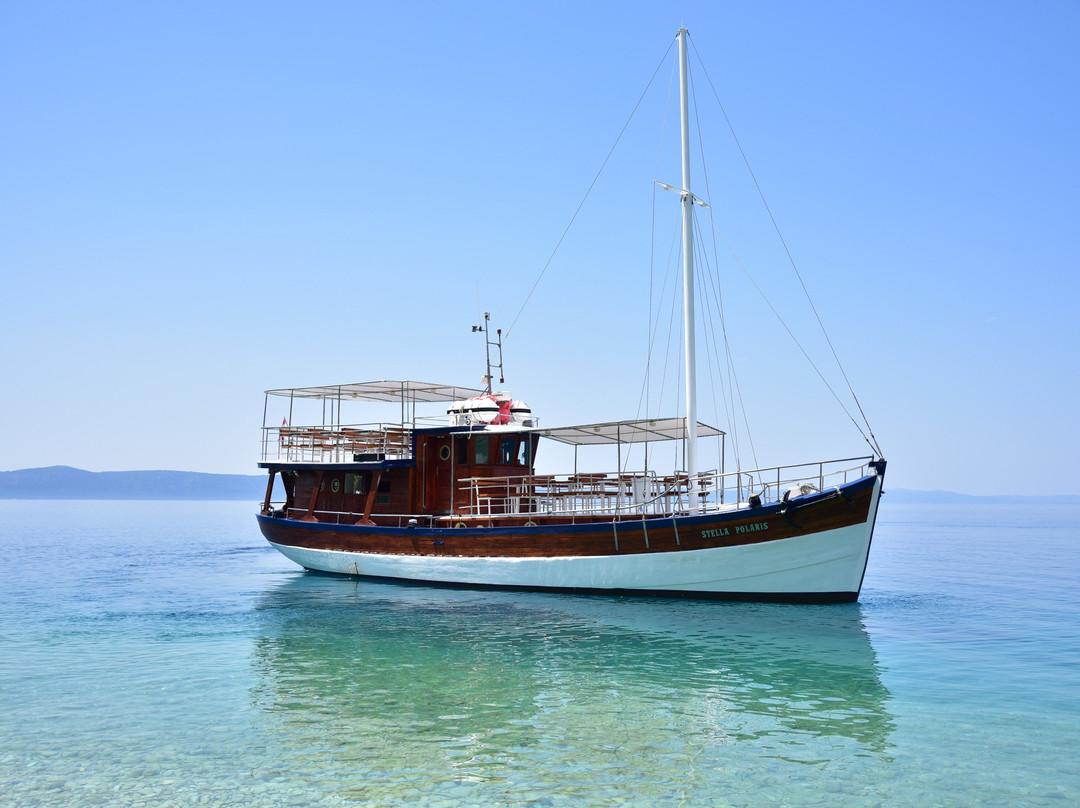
(397, 391)
(411, 392)
(637, 431)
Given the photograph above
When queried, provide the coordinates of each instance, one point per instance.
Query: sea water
(160, 653)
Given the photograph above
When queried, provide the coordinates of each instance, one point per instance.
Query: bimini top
(639, 431)
(382, 391)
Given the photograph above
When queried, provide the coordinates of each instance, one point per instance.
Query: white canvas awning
(396, 391)
(637, 431)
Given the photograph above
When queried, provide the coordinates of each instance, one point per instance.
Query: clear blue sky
(200, 201)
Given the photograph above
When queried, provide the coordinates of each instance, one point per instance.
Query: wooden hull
(813, 548)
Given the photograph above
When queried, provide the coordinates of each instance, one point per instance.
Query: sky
(203, 201)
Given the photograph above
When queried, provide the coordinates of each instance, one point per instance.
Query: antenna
(485, 329)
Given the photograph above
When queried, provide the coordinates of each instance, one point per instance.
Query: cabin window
(483, 456)
(507, 450)
(523, 453)
(354, 484)
(382, 496)
(462, 451)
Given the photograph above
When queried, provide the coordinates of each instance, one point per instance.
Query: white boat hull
(826, 562)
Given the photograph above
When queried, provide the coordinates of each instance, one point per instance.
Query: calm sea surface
(160, 653)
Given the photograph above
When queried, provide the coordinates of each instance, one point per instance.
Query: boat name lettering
(752, 527)
(716, 532)
(712, 533)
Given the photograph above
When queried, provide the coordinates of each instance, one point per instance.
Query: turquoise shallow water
(159, 653)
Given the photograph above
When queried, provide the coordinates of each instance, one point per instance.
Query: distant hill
(903, 496)
(65, 482)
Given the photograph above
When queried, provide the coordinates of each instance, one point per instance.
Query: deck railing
(649, 493)
(575, 496)
(595, 496)
(336, 444)
(277, 508)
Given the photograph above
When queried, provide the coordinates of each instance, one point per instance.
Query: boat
(445, 490)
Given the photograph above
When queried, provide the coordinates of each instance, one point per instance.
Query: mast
(688, 284)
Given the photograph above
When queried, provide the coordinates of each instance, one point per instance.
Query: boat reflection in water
(396, 690)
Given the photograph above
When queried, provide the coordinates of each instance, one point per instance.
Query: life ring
(530, 523)
(460, 524)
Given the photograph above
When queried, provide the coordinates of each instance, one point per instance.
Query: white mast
(688, 284)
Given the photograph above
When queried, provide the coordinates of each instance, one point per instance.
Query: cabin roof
(636, 431)
(387, 390)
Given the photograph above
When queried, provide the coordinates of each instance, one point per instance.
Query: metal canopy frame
(387, 390)
(618, 432)
(404, 392)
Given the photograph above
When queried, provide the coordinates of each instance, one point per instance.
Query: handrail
(337, 443)
(600, 494)
(615, 495)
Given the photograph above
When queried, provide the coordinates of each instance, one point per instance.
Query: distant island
(65, 482)
(904, 496)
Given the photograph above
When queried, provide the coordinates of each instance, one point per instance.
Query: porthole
(335, 486)
(444, 452)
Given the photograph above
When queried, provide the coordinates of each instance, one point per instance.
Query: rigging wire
(671, 332)
(654, 327)
(652, 242)
(794, 339)
(588, 191)
(733, 380)
(673, 266)
(737, 404)
(872, 441)
(729, 407)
